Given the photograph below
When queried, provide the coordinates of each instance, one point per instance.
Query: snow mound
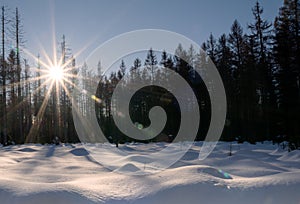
(128, 168)
(143, 159)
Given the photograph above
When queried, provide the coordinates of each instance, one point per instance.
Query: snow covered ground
(67, 174)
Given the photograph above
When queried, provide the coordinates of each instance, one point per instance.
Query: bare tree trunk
(28, 115)
(64, 99)
(20, 111)
(4, 79)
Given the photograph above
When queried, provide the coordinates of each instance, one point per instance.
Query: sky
(89, 23)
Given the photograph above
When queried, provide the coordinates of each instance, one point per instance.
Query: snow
(68, 174)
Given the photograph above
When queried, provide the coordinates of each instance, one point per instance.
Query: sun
(56, 73)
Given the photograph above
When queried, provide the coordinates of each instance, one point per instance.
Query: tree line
(259, 66)
(261, 74)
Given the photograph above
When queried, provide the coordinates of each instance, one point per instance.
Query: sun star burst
(57, 73)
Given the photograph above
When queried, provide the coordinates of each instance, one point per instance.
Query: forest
(259, 64)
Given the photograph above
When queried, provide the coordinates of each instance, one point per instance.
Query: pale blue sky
(84, 21)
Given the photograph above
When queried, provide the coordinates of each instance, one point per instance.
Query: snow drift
(68, 174)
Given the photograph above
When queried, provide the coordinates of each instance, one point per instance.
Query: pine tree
(261, 32)
(236, 44)
(135, 69)
(223, 59)
(151, 62)
(122, 70)
(211, 47)
(286, 53)
(181, 62)
(259, 41)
